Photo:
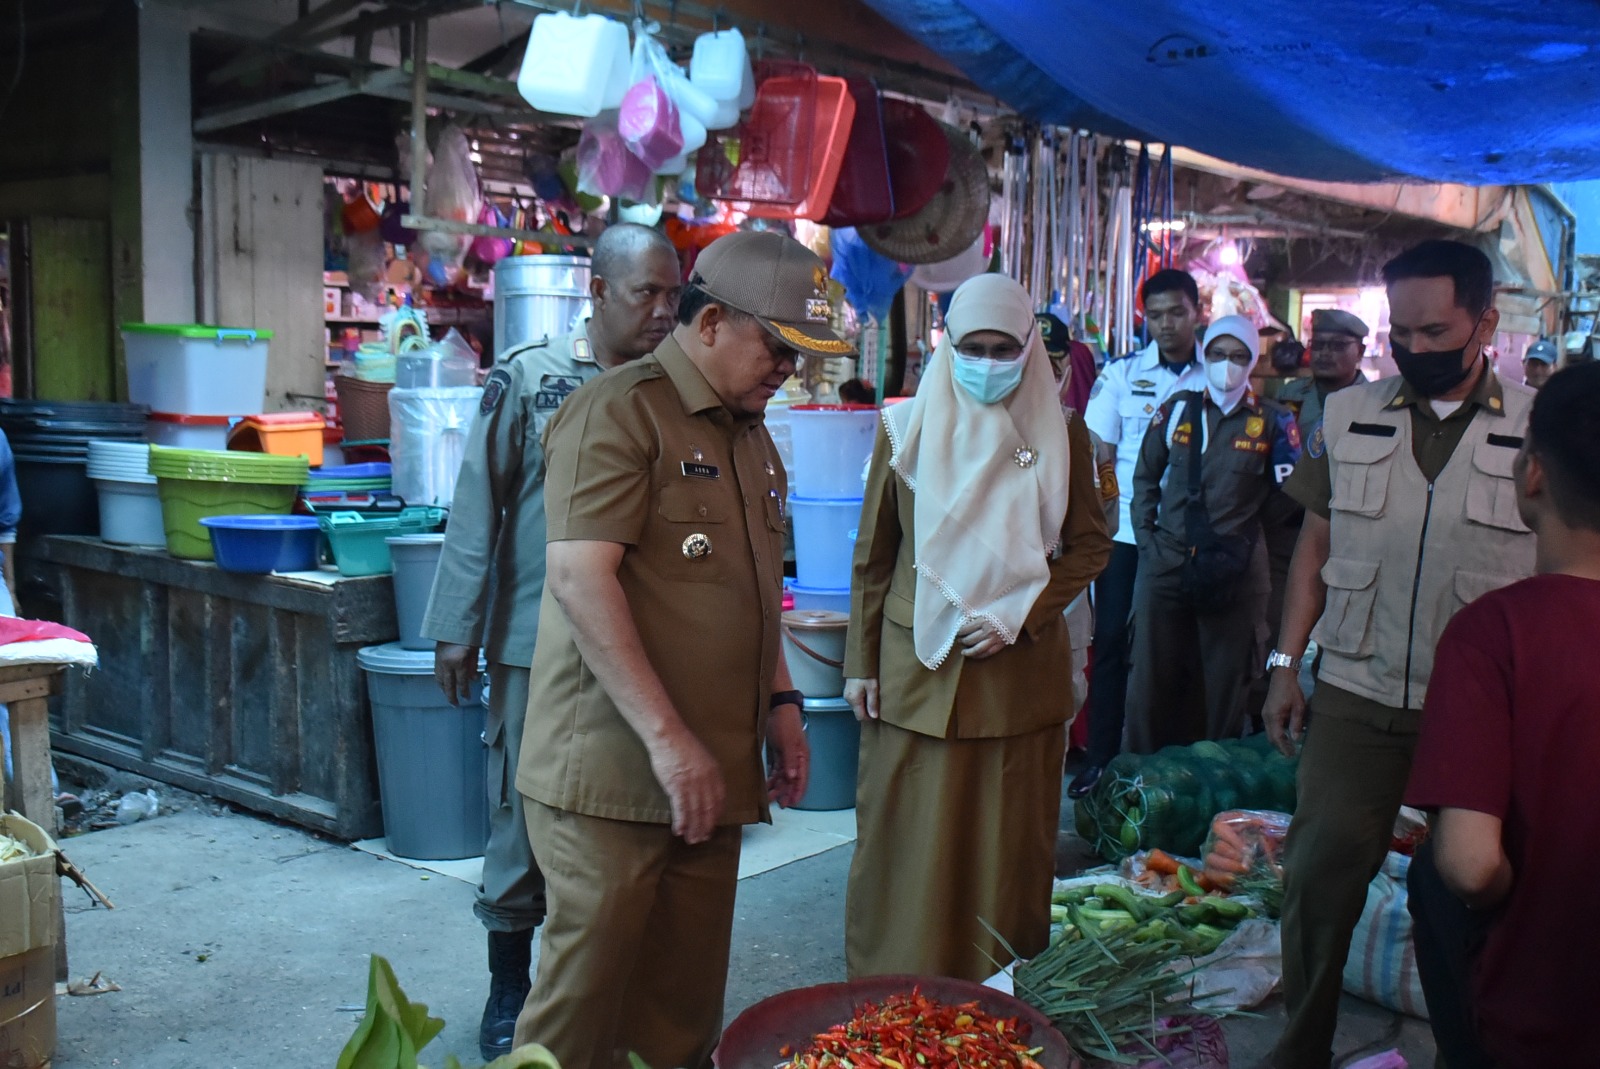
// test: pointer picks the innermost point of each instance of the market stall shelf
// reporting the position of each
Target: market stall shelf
(238, 686)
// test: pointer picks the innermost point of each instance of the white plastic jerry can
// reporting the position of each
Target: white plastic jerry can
(575, 65)
(721, 67)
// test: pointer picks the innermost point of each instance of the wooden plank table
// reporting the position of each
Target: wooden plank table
(26, 690)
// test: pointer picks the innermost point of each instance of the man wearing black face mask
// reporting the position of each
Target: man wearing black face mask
(1411, 513)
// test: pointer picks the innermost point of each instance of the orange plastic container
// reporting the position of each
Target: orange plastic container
(281, 434)
(832, 117)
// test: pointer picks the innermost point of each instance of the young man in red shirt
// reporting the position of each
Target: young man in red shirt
(1509, 744)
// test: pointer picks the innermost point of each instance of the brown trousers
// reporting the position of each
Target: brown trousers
(948, 832)
(634, 955)
(1351, 780)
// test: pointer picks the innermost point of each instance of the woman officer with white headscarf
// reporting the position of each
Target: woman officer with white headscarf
(1200, 603)
(981, 524)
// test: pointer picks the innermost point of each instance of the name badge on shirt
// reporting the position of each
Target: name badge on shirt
(701, 471)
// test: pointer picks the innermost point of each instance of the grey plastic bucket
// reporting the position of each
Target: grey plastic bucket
(416, 561)
(835, 739)
(431, 781)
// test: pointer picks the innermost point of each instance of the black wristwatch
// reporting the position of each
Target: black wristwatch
(787, 697)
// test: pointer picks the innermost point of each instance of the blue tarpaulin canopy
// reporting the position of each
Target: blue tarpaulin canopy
(1468, 91)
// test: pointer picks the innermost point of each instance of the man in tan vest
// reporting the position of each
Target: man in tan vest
(1411, 512)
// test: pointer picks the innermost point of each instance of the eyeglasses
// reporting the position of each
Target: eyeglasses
(1332, 345)
(1007, 350)
(1241, 358)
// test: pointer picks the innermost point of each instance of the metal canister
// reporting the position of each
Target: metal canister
(538, 296)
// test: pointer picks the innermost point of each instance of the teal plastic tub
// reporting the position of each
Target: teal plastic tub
(359, 541)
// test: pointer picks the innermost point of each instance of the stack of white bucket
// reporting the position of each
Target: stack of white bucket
(832, 445)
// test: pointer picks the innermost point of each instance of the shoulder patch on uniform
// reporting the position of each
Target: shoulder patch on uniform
(553, 389)
(1315, 445)
(494, 389)
(1099, 384)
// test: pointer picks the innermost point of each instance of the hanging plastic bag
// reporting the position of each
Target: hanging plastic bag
(491, 250)
(365, 264)
(605, 166)
(453, 194)
(648, 123)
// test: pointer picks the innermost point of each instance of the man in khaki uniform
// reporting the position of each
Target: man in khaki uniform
(491, 572)
(658, 675)
(1411, 513)
(1338, 341)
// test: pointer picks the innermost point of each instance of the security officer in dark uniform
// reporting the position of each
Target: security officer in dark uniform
(492, 570)
(1338, 341)
(1248, 446)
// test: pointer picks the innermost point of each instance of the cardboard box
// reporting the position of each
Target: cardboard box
(29, 893)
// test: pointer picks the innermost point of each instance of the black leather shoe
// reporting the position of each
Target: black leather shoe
(510, 955)
(1085, 781)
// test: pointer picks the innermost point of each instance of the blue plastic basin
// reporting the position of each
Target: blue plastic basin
(260, 544)
(354, 471)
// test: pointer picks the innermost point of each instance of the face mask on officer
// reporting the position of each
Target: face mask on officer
(1437, 371)
(1225, 376)
(989, 372)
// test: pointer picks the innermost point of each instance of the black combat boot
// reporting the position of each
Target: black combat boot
(510, 955)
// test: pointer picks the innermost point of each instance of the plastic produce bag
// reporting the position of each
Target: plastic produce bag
(427, 438)
(453, 194)
(448, 362)
(1167, 799)
(1243, 972)
(1202, 1045)
(1245, 843)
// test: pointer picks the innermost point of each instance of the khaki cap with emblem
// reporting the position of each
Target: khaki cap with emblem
(1337, 321)
(779, 281)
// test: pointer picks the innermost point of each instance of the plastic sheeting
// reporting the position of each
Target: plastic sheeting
(1468, 91)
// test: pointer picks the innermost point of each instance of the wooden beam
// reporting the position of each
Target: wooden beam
(479, 230)
(253, 60)
(453, 102)
(223, 118)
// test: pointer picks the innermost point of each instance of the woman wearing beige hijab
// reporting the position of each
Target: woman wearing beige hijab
(980, 525)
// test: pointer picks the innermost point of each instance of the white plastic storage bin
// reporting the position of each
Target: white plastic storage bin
(188, 432)
(575, 65)
(195, 370)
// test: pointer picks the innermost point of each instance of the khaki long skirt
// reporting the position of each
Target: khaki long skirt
(949, 831)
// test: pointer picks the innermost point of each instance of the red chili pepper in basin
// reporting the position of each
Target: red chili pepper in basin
(914, 1032)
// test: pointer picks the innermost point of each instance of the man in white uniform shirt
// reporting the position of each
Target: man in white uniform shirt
(1125, 397)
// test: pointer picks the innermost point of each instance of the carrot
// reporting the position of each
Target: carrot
(1159, 861)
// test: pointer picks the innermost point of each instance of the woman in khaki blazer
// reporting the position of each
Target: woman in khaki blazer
(980, 524)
